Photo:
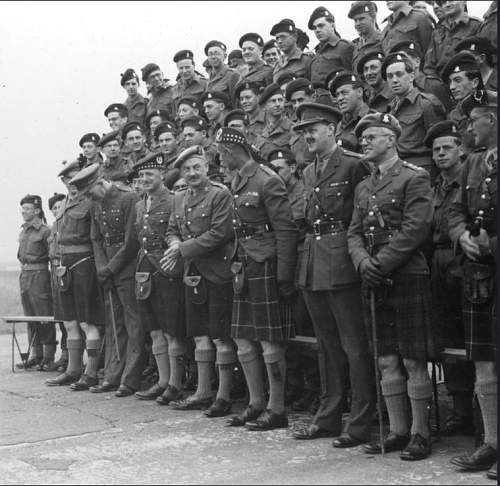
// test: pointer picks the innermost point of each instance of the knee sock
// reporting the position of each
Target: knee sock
(93, 347)
(160, 352)
(49, 351)
(276, 372)
(75, 356)
(252, 365)
(205, 363)
(37, 351)
(225, 362)
(176, 357)
(420, 399)
(487, 396)
(396, 400)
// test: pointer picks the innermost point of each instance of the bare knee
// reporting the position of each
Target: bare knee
(485, 371)
(390, 367)
(203, 342)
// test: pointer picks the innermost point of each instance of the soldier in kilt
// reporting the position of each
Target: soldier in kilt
(391, 220)
(472, 224)
(160, 295)
(263, 274)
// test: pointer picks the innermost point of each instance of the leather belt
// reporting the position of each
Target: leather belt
(85, 247)
(34, 266)
(320, 228)
(380, 237)
(249, 230)
(153, 244)
(114, 239)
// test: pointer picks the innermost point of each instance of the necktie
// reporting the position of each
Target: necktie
(148, 204)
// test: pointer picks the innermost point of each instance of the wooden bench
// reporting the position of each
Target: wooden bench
(14, 320)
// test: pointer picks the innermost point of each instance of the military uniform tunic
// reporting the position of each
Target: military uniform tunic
(202, 222)
(34, 280)
(224, 81)
(297, 64)
(137, 108)
(274, 137)
(380, 100)
(330, 55)
(193, 88)
(115, 244)
(345, 129)
(161, 98)
(477, 197)
(163, 309)
(116, 169)
(362, 46)
(259, 73)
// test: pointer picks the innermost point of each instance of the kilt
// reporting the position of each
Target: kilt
(446, 300)
(213, 317)
(404, 318)
(83, 301)
(164, 308)
(257, 314)
(480, 329)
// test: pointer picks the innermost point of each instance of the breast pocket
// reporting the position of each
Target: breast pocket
(336, 199)
(391, 208)
(115, 218)
(79, 222)
(409, 119)
(159, 222)
(200, 220)
(407, 29)
(35, 246)
(248, 207)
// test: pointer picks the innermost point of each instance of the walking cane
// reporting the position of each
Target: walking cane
(377, 371)
(113, 323)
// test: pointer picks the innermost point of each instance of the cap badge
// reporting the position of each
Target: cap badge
(473, 47)
(386, 119)
(280, 155)
(457, 69)
(412, 45)
(367, 8)
(454, 129)
(218, 135)
(353, 78)
(398, 57)
(159, 160)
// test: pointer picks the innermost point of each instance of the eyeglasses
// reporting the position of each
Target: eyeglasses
(276, 168)
(371, 138)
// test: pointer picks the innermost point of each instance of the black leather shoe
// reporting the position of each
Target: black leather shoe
(346, 441)
(62, 366)
(61, 380)
(392, 442)
(124, 391)
(480, 460)
(152, 393)
(268, 420)
(84, 383)
(105, 387)
(250, 413)
(418, 448)
(311, 432)
(194, 404)
(220, 408)
(171, 394)
(32, 362)
(492, 472)
(49, 365)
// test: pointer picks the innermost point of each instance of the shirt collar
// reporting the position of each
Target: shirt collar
(36, 223)
(463, 18)
(246, 168)
(405, 10)
(386, 165)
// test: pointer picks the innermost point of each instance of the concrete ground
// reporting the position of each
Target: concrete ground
(56, 436)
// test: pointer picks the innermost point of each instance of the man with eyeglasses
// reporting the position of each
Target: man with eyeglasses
(330, 284)
(391, 220)
(223, 79)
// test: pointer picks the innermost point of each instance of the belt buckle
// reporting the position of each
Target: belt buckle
(316, 226)
(371, 239)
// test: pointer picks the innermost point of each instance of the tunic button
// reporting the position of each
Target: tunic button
(373, 197)
(144, 239)
(203, 215)
(189, 222)
(317, 189)
(145, 227)
(393, 200)
(487, 180)
(234, 221)
(370, 213)
(146, 216)
(317, 207)
(190, 209)
(372, 228)
(481, 212)
(235, 196)
(145, 252)
(246, 204)
(483, 196)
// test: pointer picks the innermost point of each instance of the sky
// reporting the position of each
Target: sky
(60, 65)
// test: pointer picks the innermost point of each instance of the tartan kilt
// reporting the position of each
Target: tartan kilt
(404, 318)
(258, 314)
(480, 329)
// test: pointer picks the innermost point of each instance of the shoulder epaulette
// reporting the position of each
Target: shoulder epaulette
(351, 154)
(267, 170)
(124, 188)
(217, 184)
(479, 149)
(412, 166)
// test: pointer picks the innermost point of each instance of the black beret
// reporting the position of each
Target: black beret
(155, 160)
(281, 153)
(235, 54)
(197, 122)
(344, 77)
(285, 77)
(215, 43)
(361, 8)
(270, 44)
(70, 167)
(184, 54)
(346, 144)
(310, 113)
(165, 127)
(32, 199)
(481, 45)
(463, 61)
(251, 37)
(393, 59)
(119, 108)
(128, 75)
(373, 54)
(247, 85)
(409, 47)
(384, 120)
(131, 126)
(161, 113)
(87, 176)
(446, 128)
(285, 25)
(55, 198)
(148, 69)
(236, 115)
(217, 96)
(228, 135)
(89, 137)
(195, 152)
(187, 100)
(329, 77)
(171, 177)
(270, 90)
(317, 14)
(299, 84)
(302, 39)
(109, 137)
